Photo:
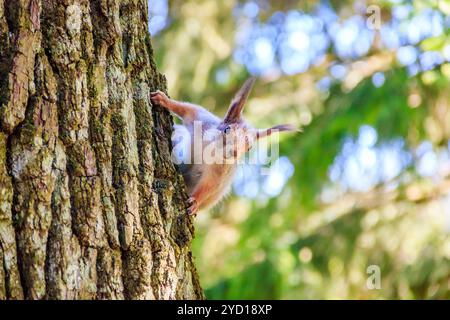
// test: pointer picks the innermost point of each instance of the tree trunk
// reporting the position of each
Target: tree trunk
(91, 207)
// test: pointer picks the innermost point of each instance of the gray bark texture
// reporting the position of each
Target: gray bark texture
(91, 207)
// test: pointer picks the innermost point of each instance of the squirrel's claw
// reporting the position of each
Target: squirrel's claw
(193, 206)
(158, 97)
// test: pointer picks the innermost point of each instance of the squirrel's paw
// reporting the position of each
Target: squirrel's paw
(158, 97)
(193, 206)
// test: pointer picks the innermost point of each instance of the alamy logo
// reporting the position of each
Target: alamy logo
(374, 277)
(373, 17)
(213, 146)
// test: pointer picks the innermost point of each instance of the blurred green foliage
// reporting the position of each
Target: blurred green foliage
(300, 244)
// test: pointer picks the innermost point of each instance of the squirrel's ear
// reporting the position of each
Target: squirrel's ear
(237, 104)
(279, 128)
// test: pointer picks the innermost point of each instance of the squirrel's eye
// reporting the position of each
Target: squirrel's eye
(227, 130)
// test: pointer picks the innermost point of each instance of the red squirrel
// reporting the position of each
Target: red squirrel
(225, 141)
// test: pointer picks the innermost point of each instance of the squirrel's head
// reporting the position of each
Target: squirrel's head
(237, 135)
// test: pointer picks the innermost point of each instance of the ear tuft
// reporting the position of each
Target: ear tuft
(279, 128)
(286, 127)
(237, 104)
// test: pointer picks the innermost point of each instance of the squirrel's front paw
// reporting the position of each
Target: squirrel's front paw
(158, 97)
(193, 206)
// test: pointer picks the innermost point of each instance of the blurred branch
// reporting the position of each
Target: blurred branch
(418, 193)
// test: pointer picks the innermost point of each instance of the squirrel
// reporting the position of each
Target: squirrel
(225, 141)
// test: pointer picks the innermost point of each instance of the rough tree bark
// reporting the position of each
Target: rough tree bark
(91, 206)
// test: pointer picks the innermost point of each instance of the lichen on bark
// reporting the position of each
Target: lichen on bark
(91, 206)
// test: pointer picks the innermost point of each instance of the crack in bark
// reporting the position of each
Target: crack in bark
(14, 213)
